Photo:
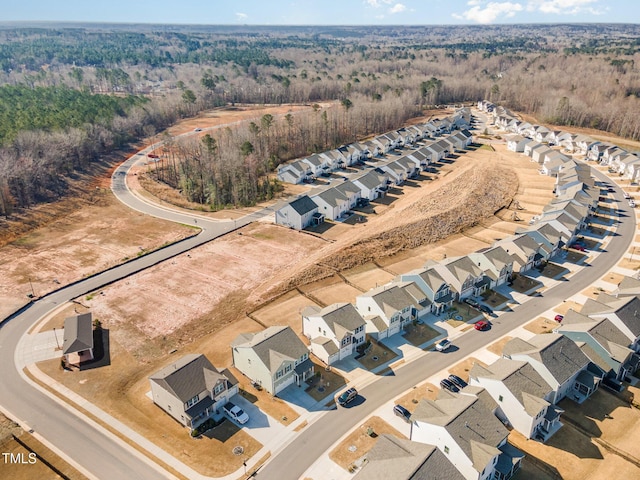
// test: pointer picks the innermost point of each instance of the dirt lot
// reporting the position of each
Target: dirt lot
(541, 325)
(462, 369)
(410, 400)
(497, 347)
(358, 443)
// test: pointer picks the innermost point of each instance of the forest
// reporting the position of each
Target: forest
(101, 86)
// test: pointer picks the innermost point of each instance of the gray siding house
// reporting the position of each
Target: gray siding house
(274, 358)
(192, 390)
(299, 214)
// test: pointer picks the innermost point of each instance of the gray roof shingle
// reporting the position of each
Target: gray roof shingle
(78, 333)
(273, 346)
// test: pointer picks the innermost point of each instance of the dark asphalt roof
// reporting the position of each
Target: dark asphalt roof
(78, 333)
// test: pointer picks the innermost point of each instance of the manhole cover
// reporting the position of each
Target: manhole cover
(320, 389)
(374, 358)
(238, 450)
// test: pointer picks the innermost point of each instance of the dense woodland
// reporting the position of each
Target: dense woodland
(71, 93)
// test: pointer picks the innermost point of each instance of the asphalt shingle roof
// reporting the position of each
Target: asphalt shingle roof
(78, 333)
(303, 205)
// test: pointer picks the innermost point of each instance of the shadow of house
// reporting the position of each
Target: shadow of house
(101, 350)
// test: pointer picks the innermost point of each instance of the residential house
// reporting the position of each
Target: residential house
(335, 159)
(462, 274)
(628, 287)
(273, 358)
(523, 249)
(192, 390)
(419, 158)
(495, 263)
(470, 436)
(410, 167)
(374, 148)
(435, 151)
(436, 289)
(387, 309)
(524, 398)
(371, 184)
(334, 331)
(295, 172)
(399, 459)
(350, 191)
(603, 342)
(623, 312)
(516, 143)
(560, 362)
(446, 147)
(77, 342)
(396, 172)
(596, 150)
(331, 203)
(299, 214)
(317, 163)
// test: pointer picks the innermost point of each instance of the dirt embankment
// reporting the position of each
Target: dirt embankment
(477, 193)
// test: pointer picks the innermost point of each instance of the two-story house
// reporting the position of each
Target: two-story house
(273, 358)
(436, 289)
(299, 214)
(334, 331)
(496, 264)
(522, 395)
(192, 390)
(560, 362)
(387, 309)
(470, 436)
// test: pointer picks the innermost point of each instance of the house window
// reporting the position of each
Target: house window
(219, 389)
(446, 449)
(287, 368)
(319, 329)
(192, 402)
(249, 361)
(279, 373)
(500, 398)
(169, 407)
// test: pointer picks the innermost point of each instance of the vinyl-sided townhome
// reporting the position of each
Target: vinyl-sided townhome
(469, 434)
(192, 390)
(299, 214)
(560, 362)
(496, 264)
(462, 274)
(273, 358)
(387, 309)
(334, 331)
(624, 313)
(436, 288)
(522, 395)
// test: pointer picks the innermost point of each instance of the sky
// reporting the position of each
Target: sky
(324, 12)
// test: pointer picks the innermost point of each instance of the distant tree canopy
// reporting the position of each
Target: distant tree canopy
(54, 108)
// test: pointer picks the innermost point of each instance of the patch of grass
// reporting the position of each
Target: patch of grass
(494, 298)
(324, 383)
(419, 333)
(90, 297)
(377, 355)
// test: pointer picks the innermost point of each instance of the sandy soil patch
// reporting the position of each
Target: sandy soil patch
(367, 276)
(614, 278)
(205, 289)
(411, 399)
(358, 443)
(541, 325)
(497, 347)
(339, 292)
(84, 242)
(630, 264)
(564, 306)
(287, 310)
(462, 369)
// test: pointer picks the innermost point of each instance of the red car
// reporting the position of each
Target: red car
(481, 325)
(558, 318)
(152, 155)
(578, 247)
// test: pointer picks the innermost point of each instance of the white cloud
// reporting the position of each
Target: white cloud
(397, 8)
(488, 12)
(241, 16)
(564, 7)
(378, 3)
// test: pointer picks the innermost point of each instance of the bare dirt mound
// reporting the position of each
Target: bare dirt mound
(477, 193)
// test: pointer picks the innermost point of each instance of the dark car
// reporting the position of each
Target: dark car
(402, 412)
(481, 325)
(558, 318)
(485, 309)
(460, 383)
(472, 302)
(347, 397)
(449, 385)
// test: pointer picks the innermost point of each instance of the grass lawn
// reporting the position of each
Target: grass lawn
(411, 399)
(419, 333)
(494, 299)
(467, 312)
(359, 442)
(325, 383)
(524, 284)
(377, 355)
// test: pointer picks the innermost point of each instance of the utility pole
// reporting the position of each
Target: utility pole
(56, 337)
(33, 293)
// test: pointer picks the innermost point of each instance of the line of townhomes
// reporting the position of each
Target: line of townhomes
(458, 435)
(419, 146)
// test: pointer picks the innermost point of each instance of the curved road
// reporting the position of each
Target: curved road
(105, 456)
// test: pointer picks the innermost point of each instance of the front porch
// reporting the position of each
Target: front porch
(509, 462)
(549, 426)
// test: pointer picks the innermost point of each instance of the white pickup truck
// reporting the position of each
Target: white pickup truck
(234, 412)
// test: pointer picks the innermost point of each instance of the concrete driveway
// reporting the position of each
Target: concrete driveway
(260, 426)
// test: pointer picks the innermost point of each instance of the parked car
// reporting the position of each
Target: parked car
(611, 190)
(472, 302)
(486, 309)
(632, 203)
(449, 385)
(347, 397)
(577, 246)
(152, 155)
(443, 345)
(460, 383)
(481, 325)
(197, 129)
(234, 412)
(402, 412)
(558, 318)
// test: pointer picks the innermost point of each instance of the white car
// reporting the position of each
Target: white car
(632, 203)
(443, 345)
(234, 412)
